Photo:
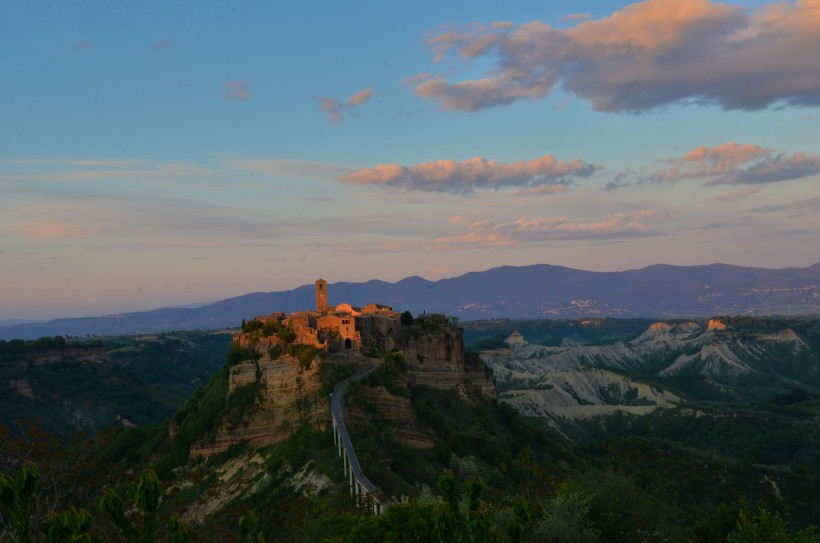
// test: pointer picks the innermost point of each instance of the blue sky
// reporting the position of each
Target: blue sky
(161, 153)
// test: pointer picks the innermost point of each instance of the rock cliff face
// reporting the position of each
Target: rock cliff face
(51, 356)
(269, 394)
(396, 410)
(437, 360)
(433, 358)
(281, 394)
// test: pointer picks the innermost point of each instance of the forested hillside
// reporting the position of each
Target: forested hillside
(726, 460)
(89, 385)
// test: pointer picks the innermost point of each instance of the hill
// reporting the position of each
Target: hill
(90, 385)
(538, 291)
(454, 460)
(738, 391)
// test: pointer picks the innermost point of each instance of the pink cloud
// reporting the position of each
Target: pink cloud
(485, 233)
(85, 44)
(710, 161)
(360, 97)
(617, 225)
(476, 173)
(737, 164)
(237, 90)
(335, 108)
(645, 55)
(161, 44)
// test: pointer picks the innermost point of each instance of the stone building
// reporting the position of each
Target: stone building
(344, 326)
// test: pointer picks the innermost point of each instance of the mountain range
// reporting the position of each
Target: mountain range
(537, 291)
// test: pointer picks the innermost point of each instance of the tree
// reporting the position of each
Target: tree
(564, 519)
(16, 492)
(714, 527)
(767, 527)
(17, 500)
(74, 525)
(406, 318)
(146, 495)
(518, 527)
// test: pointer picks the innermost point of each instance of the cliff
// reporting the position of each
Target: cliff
(267, 397)
(395, 410)
(273, 383)
(70, 352)
(437, 360)
(429, 353)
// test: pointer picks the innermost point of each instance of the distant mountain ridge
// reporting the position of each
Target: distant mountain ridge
(540, 290)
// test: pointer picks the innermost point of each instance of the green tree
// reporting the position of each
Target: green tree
(406, 318)
(249, 529)
(767, 527)
(564, 519)
(716, 526)
(74, 526)
(479, 522)
(17, 500)
(147, 496)
(16, 492)
(518, 527)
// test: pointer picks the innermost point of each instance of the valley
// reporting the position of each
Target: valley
(696, 418)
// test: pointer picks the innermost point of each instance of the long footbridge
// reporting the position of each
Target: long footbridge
(362, 490)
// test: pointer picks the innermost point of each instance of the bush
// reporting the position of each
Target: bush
(305, 354)
(237, 355)
(286, 335)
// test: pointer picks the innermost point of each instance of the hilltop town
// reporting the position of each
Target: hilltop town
(340, 327)
(279, 359)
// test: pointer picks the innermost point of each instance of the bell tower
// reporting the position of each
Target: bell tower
(321, 295)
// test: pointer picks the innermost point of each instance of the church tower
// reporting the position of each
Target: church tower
(321, 295)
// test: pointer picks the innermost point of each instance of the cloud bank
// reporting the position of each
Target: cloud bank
(477, 173)
(644, 56)
(485, 233)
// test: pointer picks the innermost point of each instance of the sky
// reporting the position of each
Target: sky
(165, 153)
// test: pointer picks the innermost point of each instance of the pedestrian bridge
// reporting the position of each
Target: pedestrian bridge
(362, 490)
